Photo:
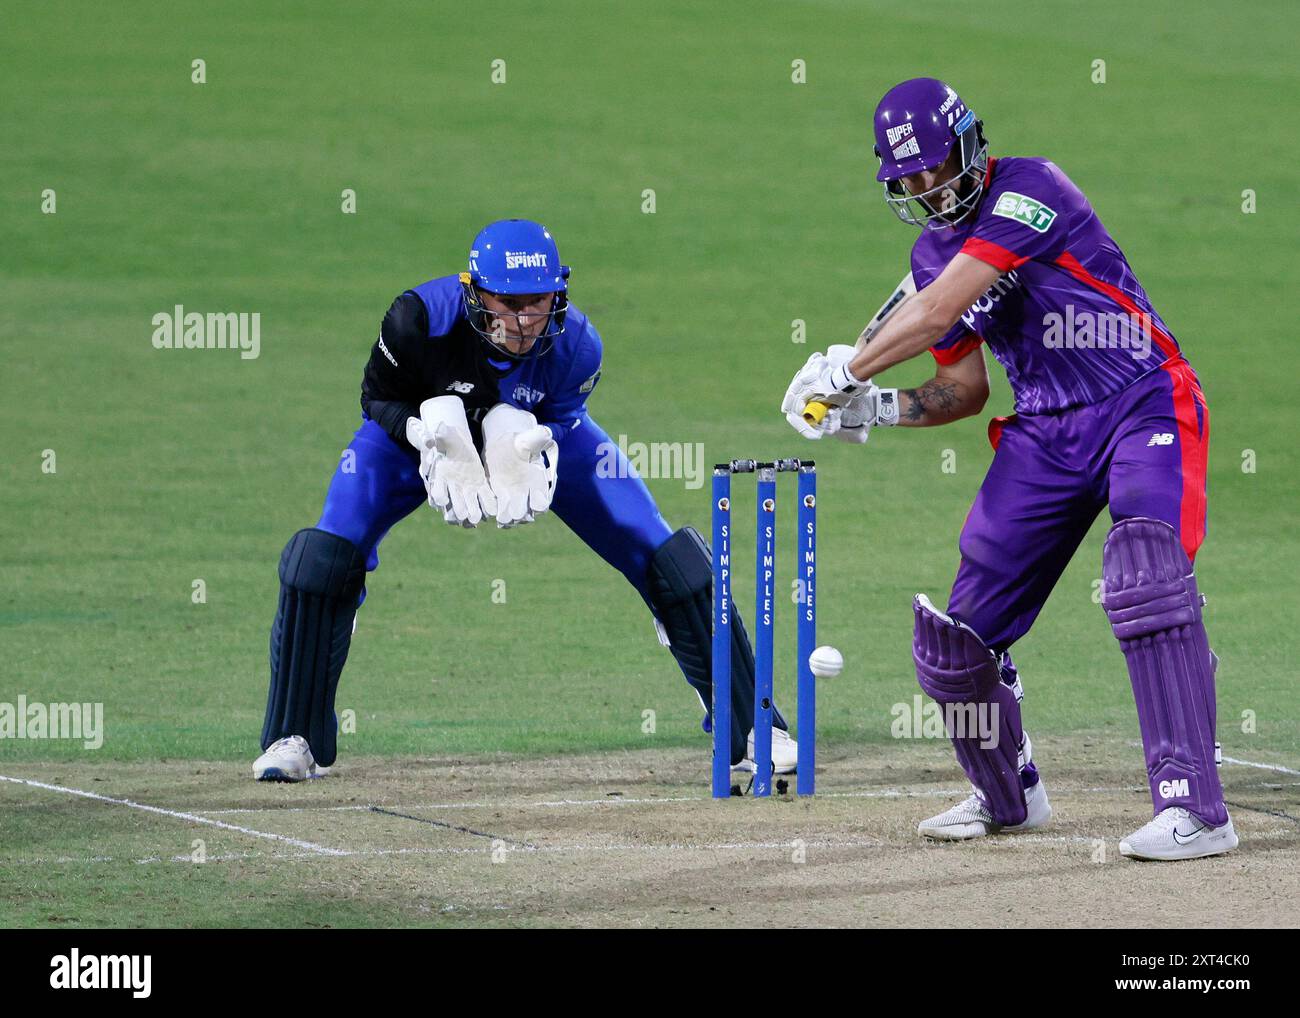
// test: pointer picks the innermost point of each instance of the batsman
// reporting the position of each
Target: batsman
(1108, 412)
(474, 399)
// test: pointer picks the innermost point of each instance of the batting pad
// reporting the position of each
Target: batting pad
(1151, 599)
(957, 670)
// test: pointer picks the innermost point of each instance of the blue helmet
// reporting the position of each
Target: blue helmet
(513, 257)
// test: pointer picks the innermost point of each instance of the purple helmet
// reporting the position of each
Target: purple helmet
(917, 123)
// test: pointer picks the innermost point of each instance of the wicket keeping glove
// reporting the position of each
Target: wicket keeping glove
(522, 457)
(449, 464)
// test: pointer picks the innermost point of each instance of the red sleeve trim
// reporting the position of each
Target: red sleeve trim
(994, 254)
(952, 354)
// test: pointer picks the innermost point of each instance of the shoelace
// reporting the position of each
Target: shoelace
(1170, 819)
(973, 807)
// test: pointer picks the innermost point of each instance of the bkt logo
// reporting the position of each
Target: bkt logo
(1161, 438)
(526, 396)
(525, 260)
(1174, 789)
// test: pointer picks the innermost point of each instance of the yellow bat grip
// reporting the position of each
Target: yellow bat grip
(815, 411)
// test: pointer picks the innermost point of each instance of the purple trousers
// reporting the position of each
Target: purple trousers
(1142, 451)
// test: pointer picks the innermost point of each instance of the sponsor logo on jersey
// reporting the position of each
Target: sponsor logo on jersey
(1161, 438)
(464, 388)
(1034, 214)
(590, 383)
(1176, 789)
(526, 396)
(384, 350)
(525, 260)
(896, 134)
(992, 295)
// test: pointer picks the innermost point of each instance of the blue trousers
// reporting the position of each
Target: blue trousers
(378, 483)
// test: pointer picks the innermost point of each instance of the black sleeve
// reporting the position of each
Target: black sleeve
(390, 388)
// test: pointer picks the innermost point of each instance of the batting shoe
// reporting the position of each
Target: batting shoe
(785, 753)
(1177, 834)
(287, 759)
(972, 819)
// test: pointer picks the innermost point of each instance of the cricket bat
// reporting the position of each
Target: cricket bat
(816, 410)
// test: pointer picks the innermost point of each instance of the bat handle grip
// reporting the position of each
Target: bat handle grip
(815, 411)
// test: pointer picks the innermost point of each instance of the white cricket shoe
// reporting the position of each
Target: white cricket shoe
(972, 819)
(785, 753)
(287, 759)
(1177, 834)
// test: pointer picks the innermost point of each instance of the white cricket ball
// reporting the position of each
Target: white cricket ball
(826, 662)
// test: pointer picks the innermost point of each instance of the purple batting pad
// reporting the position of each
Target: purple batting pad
(1150, 596)
(960, 673)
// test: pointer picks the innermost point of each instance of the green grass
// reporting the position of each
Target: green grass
(173, 466)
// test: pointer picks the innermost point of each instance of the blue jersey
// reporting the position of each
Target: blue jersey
(427, 348)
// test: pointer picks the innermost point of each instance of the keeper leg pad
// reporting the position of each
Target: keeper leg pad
(681, 592)
(321, 578)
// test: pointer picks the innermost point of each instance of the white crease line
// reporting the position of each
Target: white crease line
(889, 793)
(1009, 841)
(362, 853)
(178, 815)
(1245, 763)
(1261, 766)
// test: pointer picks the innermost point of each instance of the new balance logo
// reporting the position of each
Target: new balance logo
(464, 388)
(1161, 438)
(1173, 789)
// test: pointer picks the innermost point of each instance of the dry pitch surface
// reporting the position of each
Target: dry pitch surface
(631, 840)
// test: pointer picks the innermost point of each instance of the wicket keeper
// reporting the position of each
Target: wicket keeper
(475, 400)
(1108, 413)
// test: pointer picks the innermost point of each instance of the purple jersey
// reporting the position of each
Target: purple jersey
(1068, 319)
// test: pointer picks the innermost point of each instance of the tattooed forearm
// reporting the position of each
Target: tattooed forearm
(934, 397)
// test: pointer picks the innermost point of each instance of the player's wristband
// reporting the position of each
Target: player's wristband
(844, 381)
(887, 408)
